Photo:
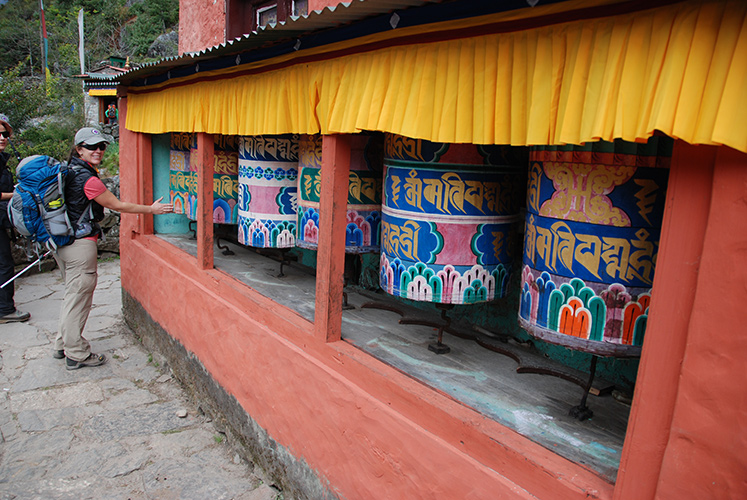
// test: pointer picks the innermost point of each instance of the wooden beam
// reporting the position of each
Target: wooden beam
(145, 181)
(130, 175)
(205, 169)
(330, 257)
(675, 284)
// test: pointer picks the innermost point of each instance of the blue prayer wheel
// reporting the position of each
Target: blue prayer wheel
(183, 177)
(268, 172)
(362, 231)
(593, 220)
(449, 218)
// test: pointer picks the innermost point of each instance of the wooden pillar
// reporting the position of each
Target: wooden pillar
(145, 181)
(129, 174)
(330, 259)
(674, 288)
(136, 162)
(704, 457)
(205, 169)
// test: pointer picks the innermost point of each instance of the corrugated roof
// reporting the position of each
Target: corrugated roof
(328, 17)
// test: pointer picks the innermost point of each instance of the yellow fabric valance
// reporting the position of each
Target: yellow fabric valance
(680, 69)
(102, 92)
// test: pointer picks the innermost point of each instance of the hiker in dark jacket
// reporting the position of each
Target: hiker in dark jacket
(78, 261)
(8, 311)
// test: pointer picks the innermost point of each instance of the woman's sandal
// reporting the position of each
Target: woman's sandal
(91, 360)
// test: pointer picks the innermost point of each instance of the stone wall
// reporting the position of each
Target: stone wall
(91, 110)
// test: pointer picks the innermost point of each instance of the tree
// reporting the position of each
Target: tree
(112, 27)
(153, 18)
(21, 98)
(20, 36)
(45, 116)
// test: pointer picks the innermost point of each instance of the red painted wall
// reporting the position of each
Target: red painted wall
(202, 24)
(372, 432)
(320, 4)
(686, 434)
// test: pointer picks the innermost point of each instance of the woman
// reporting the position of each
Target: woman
(8, 311)
(86, 197)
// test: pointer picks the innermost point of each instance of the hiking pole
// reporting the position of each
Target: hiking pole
(18, 157)
(26, 268)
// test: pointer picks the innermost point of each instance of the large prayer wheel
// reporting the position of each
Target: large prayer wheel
(362, 234)
(268, 173)
(449, 218)
(593, 220)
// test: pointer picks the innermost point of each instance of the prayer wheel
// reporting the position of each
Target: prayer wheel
(268, 173)
(449, 217)
(362, 233)
(225, 180)
(592, 228)
(183, 177)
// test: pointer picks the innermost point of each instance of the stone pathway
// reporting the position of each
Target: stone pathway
(125, 430)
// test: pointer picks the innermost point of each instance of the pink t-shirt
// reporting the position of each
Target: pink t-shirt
(92, 189)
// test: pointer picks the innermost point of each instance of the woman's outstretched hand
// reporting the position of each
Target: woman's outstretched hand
(158, 208)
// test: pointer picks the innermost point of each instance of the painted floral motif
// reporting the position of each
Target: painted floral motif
(267, 234)
(442, 284)
(573, 308)
(361, 229)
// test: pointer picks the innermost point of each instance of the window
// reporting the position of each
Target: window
(267, 15)
(245, 16)
(300, 7)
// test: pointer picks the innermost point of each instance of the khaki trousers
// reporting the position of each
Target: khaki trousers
(78, 263)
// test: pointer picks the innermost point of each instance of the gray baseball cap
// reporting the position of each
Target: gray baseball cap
(90, 136)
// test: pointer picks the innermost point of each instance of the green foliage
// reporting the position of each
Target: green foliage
(110, 163)
(45, 115)
(112, 27)
(48, 138)
(153, 18)
(104, 23)
(19, 36)
(21, 98)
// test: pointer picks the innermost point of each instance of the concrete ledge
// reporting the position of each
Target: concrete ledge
(293, 476)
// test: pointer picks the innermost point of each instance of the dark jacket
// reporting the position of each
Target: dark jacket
(6, 186)
(84, 222)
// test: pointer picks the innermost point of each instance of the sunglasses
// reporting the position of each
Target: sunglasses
(94, 147)
(5, 134)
